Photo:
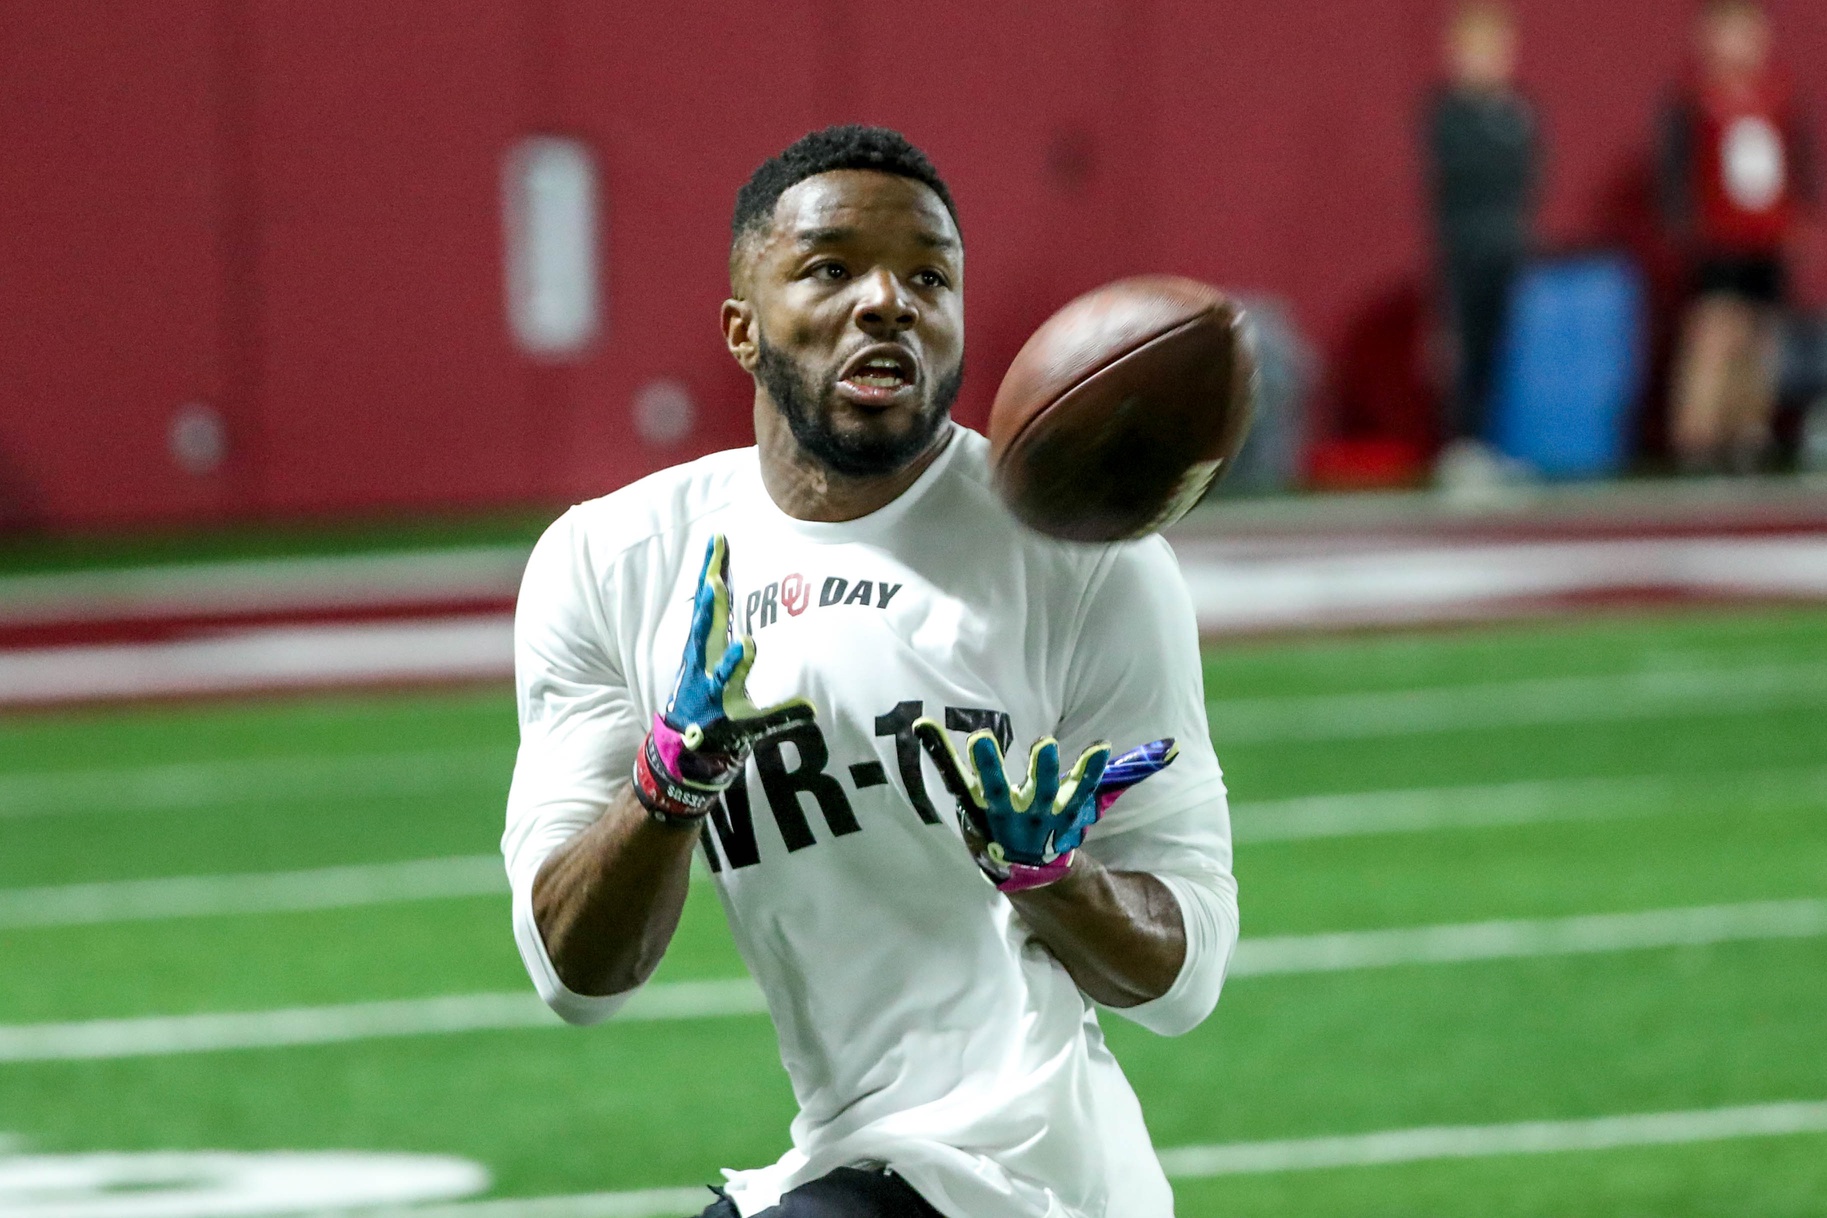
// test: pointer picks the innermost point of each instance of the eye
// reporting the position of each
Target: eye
(930, 278)
(831, 272)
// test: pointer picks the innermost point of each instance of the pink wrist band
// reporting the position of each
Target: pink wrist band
(668, 798)
(1022, 877)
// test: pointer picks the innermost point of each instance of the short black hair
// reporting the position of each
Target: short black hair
(847, 147)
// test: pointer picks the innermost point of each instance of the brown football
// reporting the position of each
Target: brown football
(1121, 410)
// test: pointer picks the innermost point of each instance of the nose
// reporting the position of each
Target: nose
(883, 308)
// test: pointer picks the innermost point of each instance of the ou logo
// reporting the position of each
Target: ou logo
(795, 594)
(1752, 163)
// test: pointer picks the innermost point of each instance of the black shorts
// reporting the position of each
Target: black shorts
(848, 1192)
(1753, 278)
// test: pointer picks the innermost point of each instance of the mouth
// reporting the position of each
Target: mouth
(880, 375)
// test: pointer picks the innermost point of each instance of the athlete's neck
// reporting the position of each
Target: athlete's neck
(805, 489)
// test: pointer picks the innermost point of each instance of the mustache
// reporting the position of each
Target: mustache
(774, 368)
(806, 407)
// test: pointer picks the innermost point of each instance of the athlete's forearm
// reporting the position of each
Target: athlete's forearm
(1118, 933)
(608, 901)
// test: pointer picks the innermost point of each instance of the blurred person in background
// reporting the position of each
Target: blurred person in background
(1734, 175)
(1483, 154)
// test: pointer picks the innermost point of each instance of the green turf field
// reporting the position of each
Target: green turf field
(1539, 773)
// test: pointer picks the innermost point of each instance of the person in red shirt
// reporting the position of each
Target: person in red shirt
(1734, 180)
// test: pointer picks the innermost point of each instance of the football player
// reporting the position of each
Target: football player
(897, 726)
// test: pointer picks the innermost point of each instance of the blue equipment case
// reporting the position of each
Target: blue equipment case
(1570, 368)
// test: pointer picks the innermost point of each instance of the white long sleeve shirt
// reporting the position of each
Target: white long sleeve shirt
(921, 1023)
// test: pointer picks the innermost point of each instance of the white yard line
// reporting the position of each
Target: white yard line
(1544, 801)
(228, 1184)
(1479, 1141)
(642, 1203)
(1696, 926)
(1526, 703)
(459, 647)
(171, 1034)
(1235, 584)
(267, 892)
(1531, 702)
(286, 781)
(1303, 818)
(266, 585)
(1253, 586)
(1284, 955)
(1265, 1158)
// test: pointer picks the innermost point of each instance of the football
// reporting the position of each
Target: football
(1117, 415)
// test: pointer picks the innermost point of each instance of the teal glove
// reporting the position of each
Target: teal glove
(698, 744)
(1024, 837)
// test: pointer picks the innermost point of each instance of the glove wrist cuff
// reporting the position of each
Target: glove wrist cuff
(1008, 875)
(659, 784)
(1023, 878)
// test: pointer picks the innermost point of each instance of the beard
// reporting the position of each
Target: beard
(808, 411)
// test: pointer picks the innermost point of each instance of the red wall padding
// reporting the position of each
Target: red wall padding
(291, 212)
(111, 274)
(386, 375)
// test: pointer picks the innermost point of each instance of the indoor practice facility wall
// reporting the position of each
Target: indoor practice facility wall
(282, 222)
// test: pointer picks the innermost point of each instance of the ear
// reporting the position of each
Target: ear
(740, 334)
